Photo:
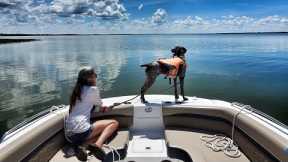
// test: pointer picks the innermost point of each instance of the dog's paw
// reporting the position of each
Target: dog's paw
(185, 99)
(144, 101)
(178, 102)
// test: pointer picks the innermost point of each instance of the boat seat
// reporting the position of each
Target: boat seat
(191, 143)
(117, 142)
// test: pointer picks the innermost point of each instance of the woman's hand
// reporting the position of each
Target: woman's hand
(104, 109)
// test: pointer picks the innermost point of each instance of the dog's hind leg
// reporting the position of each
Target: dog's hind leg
(175, 89)
(150, 79)
(182, 88)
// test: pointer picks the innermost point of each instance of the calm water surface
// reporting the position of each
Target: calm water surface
(251, 69)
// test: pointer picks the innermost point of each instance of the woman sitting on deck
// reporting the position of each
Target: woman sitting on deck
(78, 129)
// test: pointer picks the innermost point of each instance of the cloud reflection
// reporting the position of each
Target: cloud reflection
(43, 73)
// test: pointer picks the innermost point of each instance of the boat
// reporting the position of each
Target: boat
(197, 130)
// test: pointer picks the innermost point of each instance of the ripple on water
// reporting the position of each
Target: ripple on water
(249, 69)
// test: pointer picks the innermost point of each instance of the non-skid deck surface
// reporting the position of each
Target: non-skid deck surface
(118, 142)
(191, 143)
(186, 140)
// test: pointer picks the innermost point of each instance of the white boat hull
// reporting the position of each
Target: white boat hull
(252, 129)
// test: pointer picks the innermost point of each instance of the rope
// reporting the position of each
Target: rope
(220, 142)
(126, 101)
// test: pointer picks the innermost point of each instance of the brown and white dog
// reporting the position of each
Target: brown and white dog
(172, 68)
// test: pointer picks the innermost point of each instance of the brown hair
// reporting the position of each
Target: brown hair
(82, 80)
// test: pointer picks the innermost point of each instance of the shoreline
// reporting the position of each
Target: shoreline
(10, 38)
(247, 33)
(6, 41)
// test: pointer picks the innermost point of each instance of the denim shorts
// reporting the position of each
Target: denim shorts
(79, 138)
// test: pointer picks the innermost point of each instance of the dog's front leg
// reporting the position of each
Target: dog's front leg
(175, 89)
(182, 88)
(143, 90)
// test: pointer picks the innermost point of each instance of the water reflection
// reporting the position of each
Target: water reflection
(246, 68)
(35, 75)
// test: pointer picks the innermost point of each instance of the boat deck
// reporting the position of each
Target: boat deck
(186, 140)
(191, 143)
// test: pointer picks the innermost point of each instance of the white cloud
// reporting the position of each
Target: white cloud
(160, 16)
(231, 23)
(39, 12)
(189, 24)
(272, 20)
(189, 21)
(140, 7)
(105, 8)
(90, 16)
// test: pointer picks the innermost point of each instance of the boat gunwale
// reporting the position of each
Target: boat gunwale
(29, 121)
(219, 106)
(269, 119)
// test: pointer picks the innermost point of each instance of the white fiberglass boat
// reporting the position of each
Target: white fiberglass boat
(198, 130)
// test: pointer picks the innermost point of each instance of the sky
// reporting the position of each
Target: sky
(142, 16)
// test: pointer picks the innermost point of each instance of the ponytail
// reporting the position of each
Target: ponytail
(82, 80)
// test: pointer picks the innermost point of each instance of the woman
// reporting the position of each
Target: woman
(78, 128)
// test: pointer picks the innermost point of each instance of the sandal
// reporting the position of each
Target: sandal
(81, 153)
(98, 152)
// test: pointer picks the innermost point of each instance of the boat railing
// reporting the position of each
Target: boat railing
(30, 120)
(264, 115)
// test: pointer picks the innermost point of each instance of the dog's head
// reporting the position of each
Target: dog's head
(179, 51)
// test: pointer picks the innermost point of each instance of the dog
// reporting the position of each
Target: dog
(168, 68)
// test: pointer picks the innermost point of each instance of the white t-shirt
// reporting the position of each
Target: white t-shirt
(78, 120)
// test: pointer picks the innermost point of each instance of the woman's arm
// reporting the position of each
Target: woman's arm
(98, 101)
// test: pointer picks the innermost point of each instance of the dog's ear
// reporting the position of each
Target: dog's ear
(183, 50)
(173, 50)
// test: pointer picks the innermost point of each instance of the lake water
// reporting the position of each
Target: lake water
(250, 69)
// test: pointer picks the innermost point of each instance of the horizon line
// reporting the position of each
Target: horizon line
(67, 34)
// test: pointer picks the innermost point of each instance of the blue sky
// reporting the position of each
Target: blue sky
(210, 8)
(143, 16)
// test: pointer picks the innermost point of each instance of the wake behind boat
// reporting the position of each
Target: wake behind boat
(198, 130)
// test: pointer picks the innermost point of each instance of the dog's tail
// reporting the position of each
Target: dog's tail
(146, 65)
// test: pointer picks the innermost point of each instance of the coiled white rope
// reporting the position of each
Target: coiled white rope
(220, 142)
